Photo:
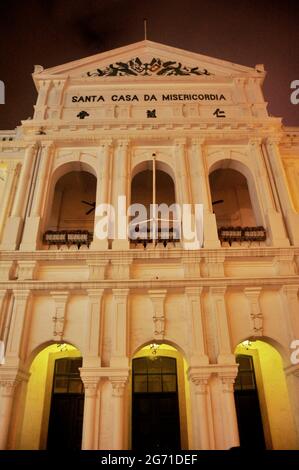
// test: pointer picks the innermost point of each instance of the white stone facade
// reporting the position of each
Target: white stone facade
(110, 299)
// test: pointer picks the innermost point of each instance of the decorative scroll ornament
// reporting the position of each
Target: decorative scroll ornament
(136, 67)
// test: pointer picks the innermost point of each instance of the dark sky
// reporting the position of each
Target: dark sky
(52, 32)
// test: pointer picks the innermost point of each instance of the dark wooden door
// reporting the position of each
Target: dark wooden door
(247, 405)
(67, 403)
(155, 407)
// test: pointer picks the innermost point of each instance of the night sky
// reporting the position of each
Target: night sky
(52, 32)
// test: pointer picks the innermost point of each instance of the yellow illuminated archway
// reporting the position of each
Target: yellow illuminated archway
(277, 420)
(34, 429)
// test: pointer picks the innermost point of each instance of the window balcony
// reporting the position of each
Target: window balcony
(149, 238)
(67, 239)
(243, 236)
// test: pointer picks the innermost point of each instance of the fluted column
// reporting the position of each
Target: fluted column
(290, 309)
(201, 192)
(40, 107)
(3, 297)
(194, 309)
(182, 178)
(13, 226)
(9, 380)
(200, 418)
(100, 240)
(274, 221)
(292, 379)
(89, 416)
(292, 173)
(230, 431)
(8, 194)
(291, 217)
(118, 410)
(41, 182)
(120, 188)
(31, 236)
(119, 328)
(190, 238)
(19, 327)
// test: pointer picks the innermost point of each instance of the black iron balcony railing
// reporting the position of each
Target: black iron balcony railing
(242, 234)
(68, 237)
(161, 235)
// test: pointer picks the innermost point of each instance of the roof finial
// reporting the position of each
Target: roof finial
(145, 28)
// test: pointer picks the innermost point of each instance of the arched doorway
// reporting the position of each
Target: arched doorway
(53, 410)
(160, 399)
(262, 403)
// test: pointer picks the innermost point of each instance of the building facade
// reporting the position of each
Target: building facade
(149, 342)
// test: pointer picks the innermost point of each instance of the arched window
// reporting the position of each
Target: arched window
(71, 219)
(153, 188)
(236, 212)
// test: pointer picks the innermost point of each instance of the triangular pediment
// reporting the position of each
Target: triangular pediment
(146, 58)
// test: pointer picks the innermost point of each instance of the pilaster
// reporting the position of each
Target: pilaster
(60, 299)
(157, 297)
(119, 329)
(256, 315)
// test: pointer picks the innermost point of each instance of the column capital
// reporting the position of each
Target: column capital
(107, 143)
(10, 379)
(290, 290)
(95, 294)
(59, 83)
(198, 141)
(252, 292)
(199, 378)
(255, 141)
(46, 144)
(22, 295)
(60, 296)
(228, 378)
(31, 147)
(273, 140)
(128, 260)
(159, 294)
(120, 295)
(180, 141)
(194, 291)
(90, 386)
(228, 384)
(218, 290)
(215, 257)
(3, 293)
(123, 143)
(118, 385)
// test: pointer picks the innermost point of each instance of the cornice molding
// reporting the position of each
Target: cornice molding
(145, 284)
(180, 254)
